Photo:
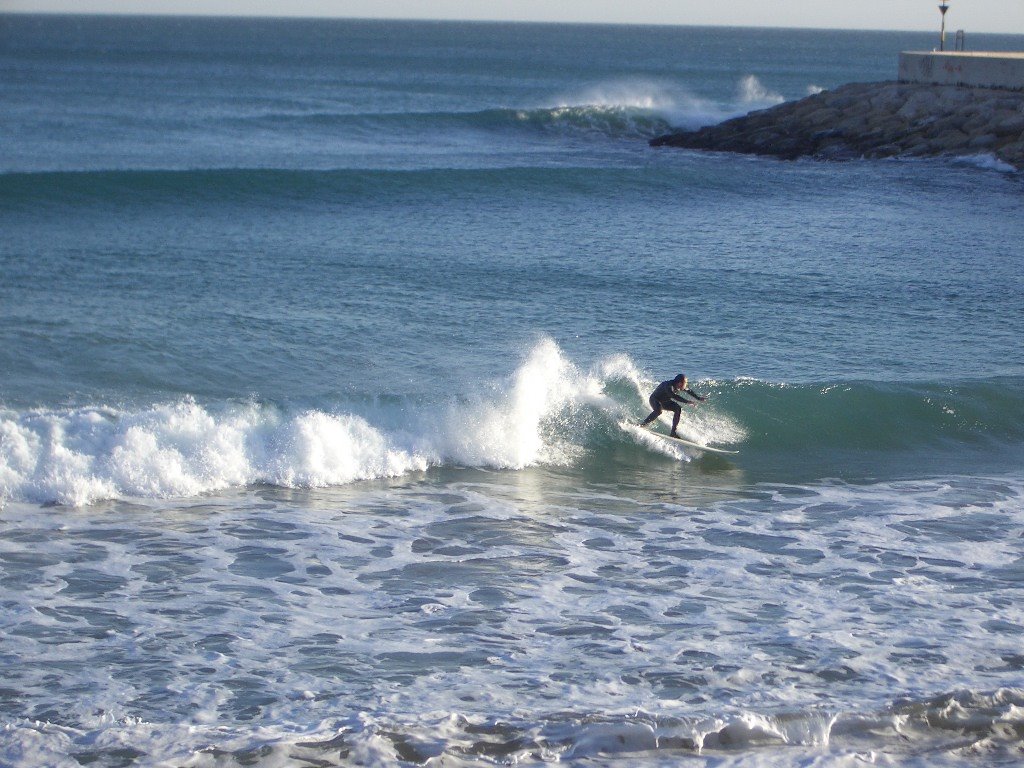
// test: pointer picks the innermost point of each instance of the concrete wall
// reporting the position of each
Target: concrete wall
(975, 68)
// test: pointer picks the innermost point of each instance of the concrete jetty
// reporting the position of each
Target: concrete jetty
(977, 69)
(915, 117)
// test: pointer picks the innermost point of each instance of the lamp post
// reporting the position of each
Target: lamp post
(942, 33)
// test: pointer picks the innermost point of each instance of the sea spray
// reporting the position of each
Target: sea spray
(503, 426)
(638, 108)
(685, 109)
(751, 91)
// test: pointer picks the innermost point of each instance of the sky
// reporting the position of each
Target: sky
(969, 15)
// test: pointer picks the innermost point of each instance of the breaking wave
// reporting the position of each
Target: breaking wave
(553, 413)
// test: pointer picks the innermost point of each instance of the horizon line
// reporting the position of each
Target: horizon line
(453, 20)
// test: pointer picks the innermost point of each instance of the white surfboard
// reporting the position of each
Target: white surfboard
(691, 444)
(682, 440)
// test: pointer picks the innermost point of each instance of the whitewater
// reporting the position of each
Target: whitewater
(319, 375)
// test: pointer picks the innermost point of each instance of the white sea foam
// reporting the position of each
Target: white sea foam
(424, 621)
(986, 161)
(186, 449)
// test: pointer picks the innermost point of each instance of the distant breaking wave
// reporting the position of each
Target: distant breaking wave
(615, 110)
(611, 120)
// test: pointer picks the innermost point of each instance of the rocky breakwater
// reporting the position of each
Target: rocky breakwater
(874, 120)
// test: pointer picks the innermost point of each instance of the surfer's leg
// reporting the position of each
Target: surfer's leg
(677, 411)
(654, 413)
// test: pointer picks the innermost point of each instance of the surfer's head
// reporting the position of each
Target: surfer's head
(680, 380)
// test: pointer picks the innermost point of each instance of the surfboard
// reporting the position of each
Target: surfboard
(683, 441)
(692, 444)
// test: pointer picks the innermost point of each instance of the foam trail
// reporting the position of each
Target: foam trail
(987, 162)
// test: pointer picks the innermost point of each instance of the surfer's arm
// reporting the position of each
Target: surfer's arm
(691, 393)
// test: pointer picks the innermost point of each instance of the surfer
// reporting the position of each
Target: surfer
(669, 397)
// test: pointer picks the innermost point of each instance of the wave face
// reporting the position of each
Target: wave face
(878, 415)
(635, 116)
(548, 412)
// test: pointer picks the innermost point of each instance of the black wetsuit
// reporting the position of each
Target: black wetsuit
(667, 398)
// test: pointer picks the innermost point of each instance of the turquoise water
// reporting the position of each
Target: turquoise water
(319, 347)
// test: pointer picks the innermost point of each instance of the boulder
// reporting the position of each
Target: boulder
(982, 141)
(1009, 125)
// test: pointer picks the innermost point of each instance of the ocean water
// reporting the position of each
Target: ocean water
(321, 343)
